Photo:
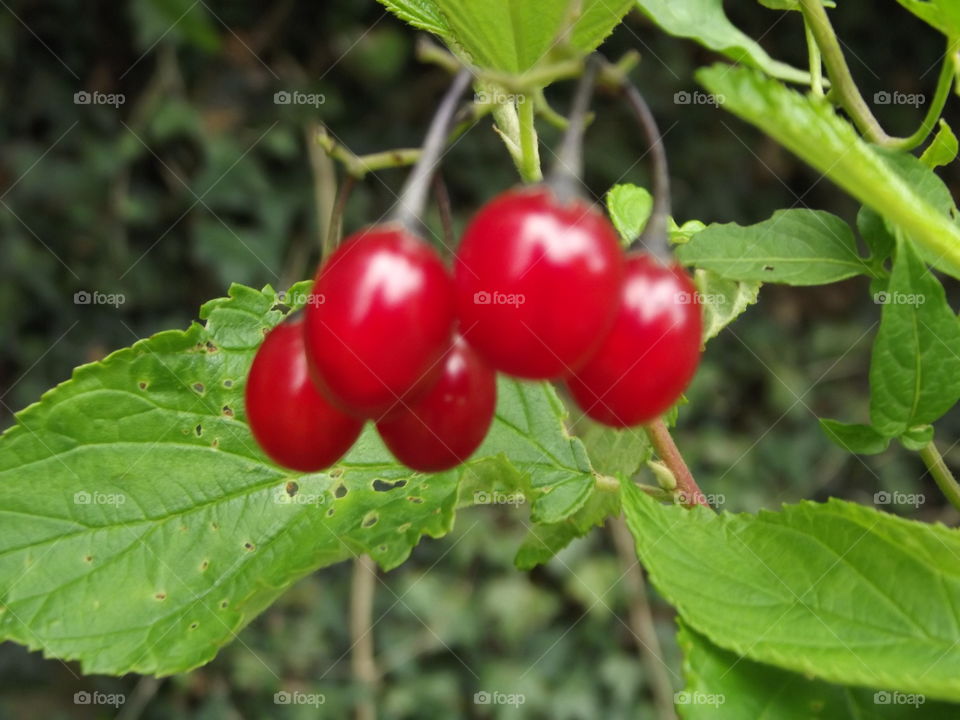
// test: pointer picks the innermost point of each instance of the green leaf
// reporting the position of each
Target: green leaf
(928, 185)
(790, 4)
(944, 15)
(795, 247)
(705, 22)
(422, 14)
(836, 591)
(915, 367)
(781, 4)
(679, 234)
(629, 207)
(811, 128)
(720, 680)
(916, 439)
(545, 541)
(722, 300)
(876, 233)
(141, 527)
(854, 438)
(514, 36)
(529, 431)
(943, 149)
(620, 453)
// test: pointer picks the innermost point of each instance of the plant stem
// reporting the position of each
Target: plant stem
(641, 622)
(537, 77)
(666, 449)
(654, 236)
(844, 89)
(843, 86)
(565, 177)
(941, 474)
(816, 62)
(944, 82)
(358, 166)
(442, 197)
(529, 144)
(324, 174)
(363, 659)
(332, 239)
(413, 196)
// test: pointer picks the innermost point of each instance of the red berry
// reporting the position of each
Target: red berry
(651, 353)
(445, 426)
(380, 320)
(537, 283)
(293, 423)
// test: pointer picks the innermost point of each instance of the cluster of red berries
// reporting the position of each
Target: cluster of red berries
(540, 290)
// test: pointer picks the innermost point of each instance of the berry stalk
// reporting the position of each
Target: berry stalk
(413, 197)
(654, 236)
(565, 178)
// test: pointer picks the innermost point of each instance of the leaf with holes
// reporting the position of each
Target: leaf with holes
(836, 591)
(142, 528)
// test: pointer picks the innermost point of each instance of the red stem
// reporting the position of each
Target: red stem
(668, 452)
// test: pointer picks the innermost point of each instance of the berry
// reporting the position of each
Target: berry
(537, 283)
(445, 426)
(379, 321)
(651, 353)
(293, 423)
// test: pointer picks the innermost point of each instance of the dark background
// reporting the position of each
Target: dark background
(199, 180)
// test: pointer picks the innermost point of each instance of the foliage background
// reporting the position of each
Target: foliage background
(199, 179)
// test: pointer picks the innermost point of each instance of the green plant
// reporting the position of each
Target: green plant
(818, 599)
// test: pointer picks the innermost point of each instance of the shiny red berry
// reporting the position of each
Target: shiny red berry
(293, 423)
(379, 321)
(650, 355)
(445, 426)
(537, 283)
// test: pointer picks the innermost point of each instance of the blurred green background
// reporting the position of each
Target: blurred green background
(199, 179)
